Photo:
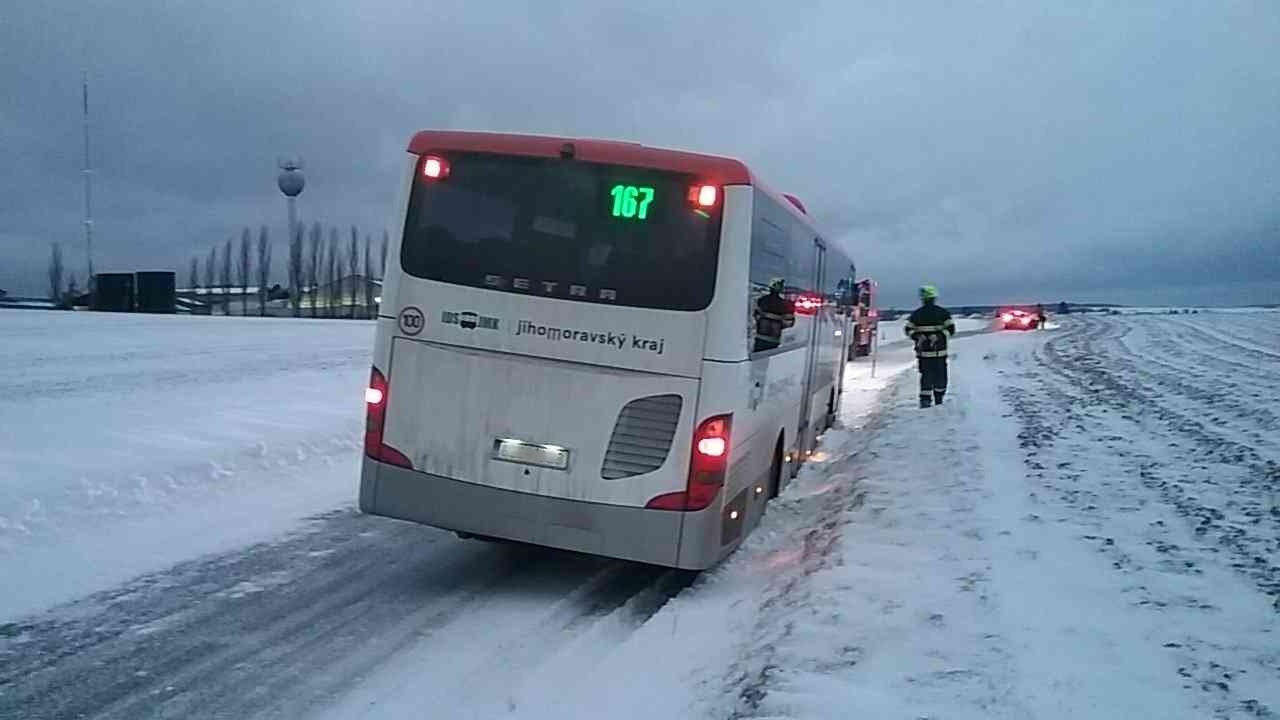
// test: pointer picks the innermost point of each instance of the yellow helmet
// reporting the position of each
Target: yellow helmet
(928, 292)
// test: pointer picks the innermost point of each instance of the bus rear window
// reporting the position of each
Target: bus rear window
(564, 228)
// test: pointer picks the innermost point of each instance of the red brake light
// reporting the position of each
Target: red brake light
(706, 468)
(704, 196)
(375, 397)
(435, 167)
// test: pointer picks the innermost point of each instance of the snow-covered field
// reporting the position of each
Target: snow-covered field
(1090, 528)
(130, 442)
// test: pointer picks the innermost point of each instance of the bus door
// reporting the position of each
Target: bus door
(814, 343)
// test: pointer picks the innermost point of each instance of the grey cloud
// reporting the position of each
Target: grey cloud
(998, 150)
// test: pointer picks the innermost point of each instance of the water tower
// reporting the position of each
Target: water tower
(291, 181)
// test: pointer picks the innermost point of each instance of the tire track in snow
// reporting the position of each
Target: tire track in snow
(283, 628)
(579, 628)
(1229, 403)
(1212, 466)
(1197, 351)
(1224, 678)
(1242, 346)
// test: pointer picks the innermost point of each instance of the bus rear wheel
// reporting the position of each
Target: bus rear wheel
(775, 471)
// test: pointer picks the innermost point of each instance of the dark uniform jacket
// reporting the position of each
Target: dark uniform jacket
(929, 327)
(774, 313)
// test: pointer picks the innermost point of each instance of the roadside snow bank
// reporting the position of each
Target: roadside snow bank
(134, 441)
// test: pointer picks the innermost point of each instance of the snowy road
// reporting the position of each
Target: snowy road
(283, 628)
(1089, 529)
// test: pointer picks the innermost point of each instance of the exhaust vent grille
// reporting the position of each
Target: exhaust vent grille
(642, 436)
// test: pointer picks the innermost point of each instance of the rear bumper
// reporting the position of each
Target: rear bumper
(627, 533)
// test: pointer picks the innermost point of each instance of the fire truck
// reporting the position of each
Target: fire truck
(866, 318)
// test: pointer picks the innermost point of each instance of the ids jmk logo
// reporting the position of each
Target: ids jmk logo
(468, 320)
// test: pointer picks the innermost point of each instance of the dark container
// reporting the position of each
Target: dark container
(113, 292)
(156, 292)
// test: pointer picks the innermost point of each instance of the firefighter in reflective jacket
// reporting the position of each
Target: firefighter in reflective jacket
(774, 313)
(930, 327)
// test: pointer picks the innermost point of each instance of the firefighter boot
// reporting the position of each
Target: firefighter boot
(926, 401)
(938, 395)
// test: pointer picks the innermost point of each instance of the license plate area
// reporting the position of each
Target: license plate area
(542, 455)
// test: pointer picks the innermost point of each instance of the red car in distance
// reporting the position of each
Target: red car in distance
(1017, 319)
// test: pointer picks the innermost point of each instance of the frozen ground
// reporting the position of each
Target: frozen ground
(1088, 529)
(128, 442)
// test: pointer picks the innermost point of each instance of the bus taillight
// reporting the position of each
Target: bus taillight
(375, 400)
(435, 167)
(707, 468)
(704, 196)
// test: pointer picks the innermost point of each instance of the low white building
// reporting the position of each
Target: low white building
(347, 298)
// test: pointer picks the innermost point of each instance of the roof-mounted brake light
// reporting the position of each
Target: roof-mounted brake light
(435, 167)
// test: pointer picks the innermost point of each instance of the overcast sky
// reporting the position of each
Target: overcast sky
(1004, 151)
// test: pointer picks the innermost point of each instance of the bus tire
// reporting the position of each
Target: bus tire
(775, 470)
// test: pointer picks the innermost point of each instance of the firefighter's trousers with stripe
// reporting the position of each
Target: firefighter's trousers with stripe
(933, 376)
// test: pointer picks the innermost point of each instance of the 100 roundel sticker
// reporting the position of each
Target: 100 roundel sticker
(411, 320)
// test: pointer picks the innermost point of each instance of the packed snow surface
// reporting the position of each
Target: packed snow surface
(1089, 528)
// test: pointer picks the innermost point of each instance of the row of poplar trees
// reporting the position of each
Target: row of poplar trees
(316, 269)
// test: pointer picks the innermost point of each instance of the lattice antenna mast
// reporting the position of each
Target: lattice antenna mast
(88, 178)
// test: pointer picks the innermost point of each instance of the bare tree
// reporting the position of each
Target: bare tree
(193, 280)
(210, 267)
(56, 270)
(333, 298)
(226, 277)
(353, 265)
(295, 271)
(313, 265)
(386, 240)
(264, 269)
(244, 270)
(369, 310)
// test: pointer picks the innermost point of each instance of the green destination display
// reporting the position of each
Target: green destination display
(631, 201)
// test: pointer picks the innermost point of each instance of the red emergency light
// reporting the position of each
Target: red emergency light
(807, 304)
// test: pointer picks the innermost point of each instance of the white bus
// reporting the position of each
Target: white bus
(566, 352)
